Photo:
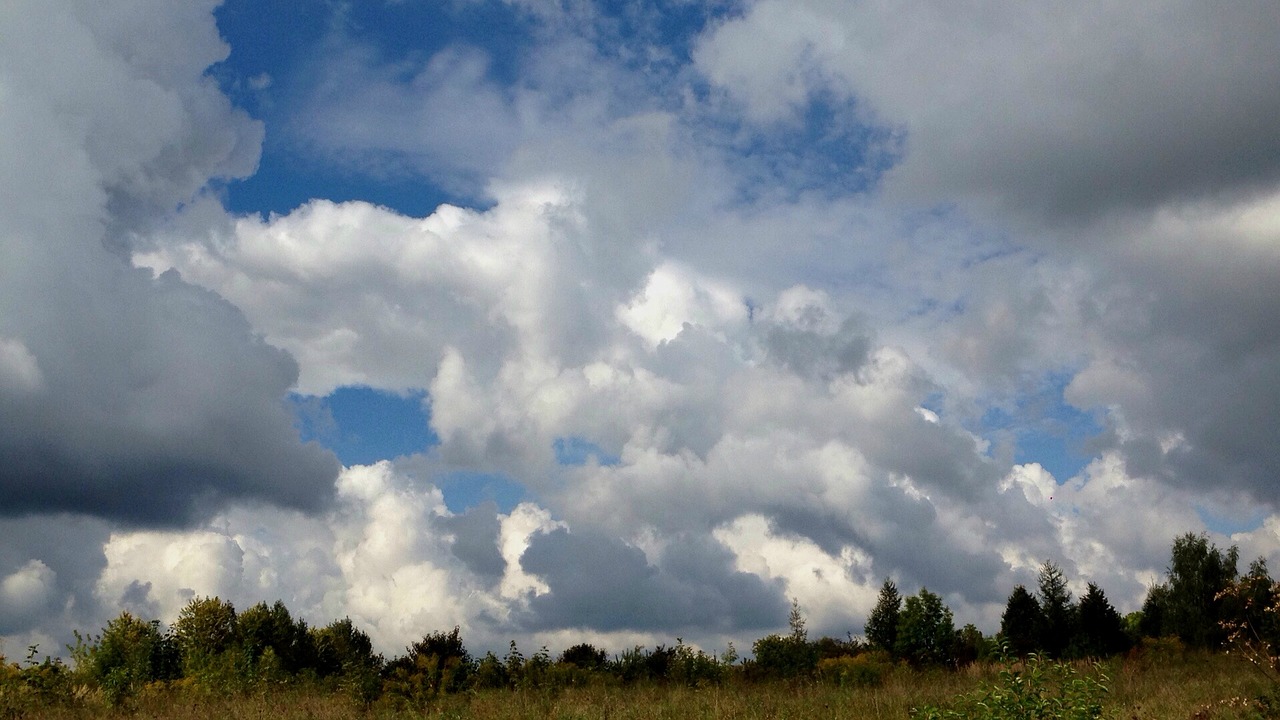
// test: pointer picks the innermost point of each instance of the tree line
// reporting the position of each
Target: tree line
(1203, 603)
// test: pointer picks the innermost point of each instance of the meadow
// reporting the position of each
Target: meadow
(1181, 684)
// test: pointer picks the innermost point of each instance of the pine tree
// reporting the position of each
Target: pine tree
(882, 625)
(1055, 603)
(1101, 629)
(1022, 622)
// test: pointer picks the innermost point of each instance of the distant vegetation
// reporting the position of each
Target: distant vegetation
(1034, 667)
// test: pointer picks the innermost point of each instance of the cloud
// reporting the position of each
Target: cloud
(1186, 348)
(142, 398)
(449, 121)
(596, 582)
(791, 378)
(1056, 113)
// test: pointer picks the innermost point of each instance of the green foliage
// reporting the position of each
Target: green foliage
(433, 666)
(205, 628)
(1253, 628)
(926, 631)
(1056, 608)
(856, 671)
(1034, 689)
(829, 647)
(692, 667)
(491, 673)
(343, 654)
(128, 654)
(32, 686)
(270, 627)
(970, 646)
(1021, 622)
(1151, 619)
(790, 656)
(641, 665)
(779, 656)
(585, 656)
(1100, 631)
(1198, 574)
(882, 625)
(341, 648)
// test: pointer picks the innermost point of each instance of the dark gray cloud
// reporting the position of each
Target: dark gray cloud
(48, 569)
(475, 540)
(598, 582)
(1190, 325)
(1055, 113)
(131, 397)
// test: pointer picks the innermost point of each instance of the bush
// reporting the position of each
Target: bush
(784, 657)
(345, 653)
(1034, 689)
(129, 654)
(861, 671)
(437, 664)
(26, 689)
(585, 656)
(695, 668)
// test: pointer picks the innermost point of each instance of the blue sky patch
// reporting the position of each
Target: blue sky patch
(580, 451)
(1046, 429)
(362, 425)
(1230, 524)
(465, 489)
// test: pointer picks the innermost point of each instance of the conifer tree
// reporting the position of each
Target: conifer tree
(882, 625)
(1022, 622)
(1100, 631)
(1059, 615)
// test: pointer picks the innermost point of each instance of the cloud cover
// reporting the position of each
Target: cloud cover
(789, 377)
(134, 397)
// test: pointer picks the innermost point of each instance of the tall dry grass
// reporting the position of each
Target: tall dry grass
(1182, 686)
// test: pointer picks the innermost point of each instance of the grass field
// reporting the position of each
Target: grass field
(1193, 685)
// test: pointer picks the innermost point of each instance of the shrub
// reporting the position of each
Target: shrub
(128, 654)
(270, 627)
(785, 657)
(585, 656)
(695, 668)
(437, 664)
(26, 689)
(1034, 689)
(865, 670)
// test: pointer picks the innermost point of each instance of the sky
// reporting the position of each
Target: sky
(620, 321)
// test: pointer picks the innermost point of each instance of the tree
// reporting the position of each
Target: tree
(1253, 623)
(342, 648)
(1100, 630)
(270, 627)
(1151, 619)
(1255, 599)
(585, 656)
(129, 654)
(206, 627)
(970, 645)
(790, 656)
(438, 663)
(1198, 573)
(1055, 604)
(882, 625)
(926, 631)
(1021, 623)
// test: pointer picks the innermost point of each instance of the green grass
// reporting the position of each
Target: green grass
(1183, 686)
